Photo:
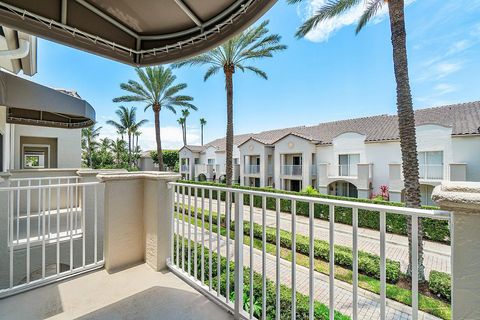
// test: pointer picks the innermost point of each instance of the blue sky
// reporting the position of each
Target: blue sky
(331, 75)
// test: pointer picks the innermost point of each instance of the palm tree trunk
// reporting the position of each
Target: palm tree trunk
(129, 149)
(229, 70)
(406, 124)
(156, 111)
(184, 133)
(201, 133)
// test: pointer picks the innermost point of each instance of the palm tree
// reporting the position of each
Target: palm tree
(185, 114)
(128, 124)
(203, 122)
(254, 43)
(181, 122)
(157, 89)
(406, 120)
(89, 136)
(118, 148)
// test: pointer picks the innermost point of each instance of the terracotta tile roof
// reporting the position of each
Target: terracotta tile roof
(463, 118)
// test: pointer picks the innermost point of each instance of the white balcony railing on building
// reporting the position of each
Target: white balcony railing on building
(252, 169)
(430, 171)
(313, 170)
(194, 248)
(52, 231)
(347, 170)
(184, 168)
(270, 170)
(292, 170)
(220, 169)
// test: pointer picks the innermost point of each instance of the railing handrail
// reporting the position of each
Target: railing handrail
(45, 178)
(46, 186)
(424, 213)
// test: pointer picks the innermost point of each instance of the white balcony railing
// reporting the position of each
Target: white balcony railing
(194, 257)
(292, 170)
(313, 170)
(184, 168)
(52, 230)
(252, 169)
(430, 171)
(270, 170)
(347, 170)
(220, 169)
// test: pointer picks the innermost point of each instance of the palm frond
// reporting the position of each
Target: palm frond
(372, 8)
(331, 9)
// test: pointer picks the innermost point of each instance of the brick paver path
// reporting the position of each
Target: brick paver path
(436, 255)
(368, 303)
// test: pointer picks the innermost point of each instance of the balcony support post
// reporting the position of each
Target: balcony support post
(138, 219)
(463, 200)
(238, 255)
(4, 222)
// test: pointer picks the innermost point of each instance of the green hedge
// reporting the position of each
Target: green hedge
(434, 230)
(440, 283)
(368, 264)
(302, 301)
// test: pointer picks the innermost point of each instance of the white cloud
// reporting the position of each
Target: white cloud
(171, 136)
(325, 29)
(439, 70)
(444, 88)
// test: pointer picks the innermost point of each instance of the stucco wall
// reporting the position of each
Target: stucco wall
(68, 144)
(467, 150)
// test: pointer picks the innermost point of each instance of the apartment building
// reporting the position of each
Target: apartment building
(353, 157)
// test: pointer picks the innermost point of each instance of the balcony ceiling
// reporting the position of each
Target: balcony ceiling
(136, 32)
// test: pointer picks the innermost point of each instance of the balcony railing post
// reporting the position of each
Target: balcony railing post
(463, 199)
(238, 254)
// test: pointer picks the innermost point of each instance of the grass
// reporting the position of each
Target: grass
(427, 304)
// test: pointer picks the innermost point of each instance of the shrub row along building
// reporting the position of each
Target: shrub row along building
(351, 158)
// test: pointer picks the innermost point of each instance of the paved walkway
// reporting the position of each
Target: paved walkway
(368, 302)
(436, 255)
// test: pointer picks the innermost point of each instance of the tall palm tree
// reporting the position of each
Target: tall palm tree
(181, 122)
(406, 120)
(89, 136)
(128, 124)
(203, 122)
(185, 114)
(254, 43)
(157, 90)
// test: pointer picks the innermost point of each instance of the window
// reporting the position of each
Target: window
(34, 160)
(430, 165)
(347, 164)
(235, 161)
(211, 161)
(196, 161)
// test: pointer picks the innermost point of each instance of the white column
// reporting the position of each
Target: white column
(277, 167)
(463, 200)
(137, 219)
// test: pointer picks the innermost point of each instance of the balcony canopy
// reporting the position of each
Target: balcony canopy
(33, 104)
(136, 32)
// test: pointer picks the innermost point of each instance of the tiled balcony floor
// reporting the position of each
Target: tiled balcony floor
(134, 293)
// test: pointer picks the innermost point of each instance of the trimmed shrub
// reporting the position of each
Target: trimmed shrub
(434, 230)
(440, 283)
(302, 301)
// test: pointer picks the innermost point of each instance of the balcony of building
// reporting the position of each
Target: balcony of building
(430, 175)
(139, 245)
(351, 179)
